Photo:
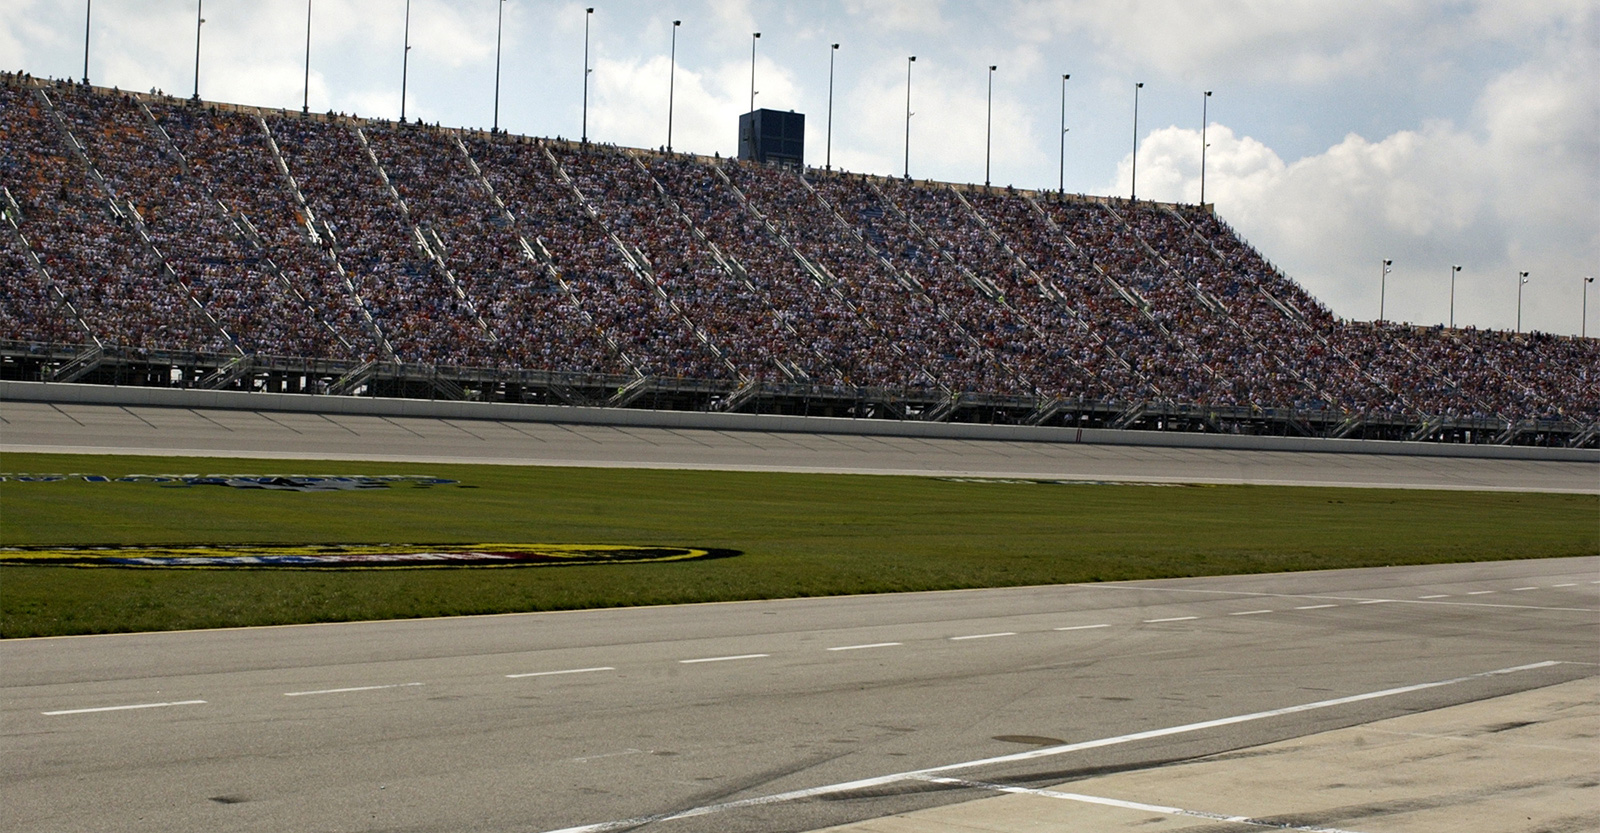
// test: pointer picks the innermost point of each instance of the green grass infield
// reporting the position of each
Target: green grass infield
(799, 535)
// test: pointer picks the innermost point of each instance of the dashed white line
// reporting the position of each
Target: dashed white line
(1480, 592)
(1515, 589)
(1313, 607)
(1170, 619)
(558, 673)
(983, 636)
(722, 659)
(352, 688)
(1249, 612)
(1373, 601)
(1436, 596)
(125, 708)
(1082, 627)
(1567, 584)
(866, 646)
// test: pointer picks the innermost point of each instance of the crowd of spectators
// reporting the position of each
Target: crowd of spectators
(177, 225)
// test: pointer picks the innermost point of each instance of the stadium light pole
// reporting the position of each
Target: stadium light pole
(1383, 285)
(88, 11)
(1204, 107)
(754, 36)
(1583, 326)
(1453, 271)
(499, 28)
(827, 164)
(1133, 190)
(405, 62)
(909, 61)
(1522, 280)
(672, 80)
(305, 98)
(199, 20)
(988, 129)
(1061, 180)
(587, 14)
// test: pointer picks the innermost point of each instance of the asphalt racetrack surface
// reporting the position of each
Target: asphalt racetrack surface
(108, 429)
(760, 716)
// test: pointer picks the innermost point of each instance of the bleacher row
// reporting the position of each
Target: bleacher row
(153, 223)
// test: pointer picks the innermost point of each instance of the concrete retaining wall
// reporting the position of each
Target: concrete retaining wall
(305, 403)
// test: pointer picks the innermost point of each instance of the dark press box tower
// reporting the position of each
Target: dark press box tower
(773, 136)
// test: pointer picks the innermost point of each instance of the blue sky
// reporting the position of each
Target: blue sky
(1432, 133)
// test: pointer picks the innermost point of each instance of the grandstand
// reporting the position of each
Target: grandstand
(158, 241)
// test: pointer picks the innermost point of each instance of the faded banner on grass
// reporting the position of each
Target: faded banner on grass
(352, 556)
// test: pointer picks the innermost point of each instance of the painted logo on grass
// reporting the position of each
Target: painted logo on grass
(353, 556)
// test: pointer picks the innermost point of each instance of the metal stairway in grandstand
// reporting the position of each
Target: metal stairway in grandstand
(425, 241)
(127, 215)
(639, 265)
(537, 254)
(242, 229)
(13, 221)
(325, 242)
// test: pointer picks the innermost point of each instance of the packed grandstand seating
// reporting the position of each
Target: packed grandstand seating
(151, 223)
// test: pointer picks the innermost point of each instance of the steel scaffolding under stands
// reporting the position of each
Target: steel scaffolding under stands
(22, 361)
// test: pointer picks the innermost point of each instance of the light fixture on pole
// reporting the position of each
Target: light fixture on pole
(672, 80)
(587, 14)
(405, 63)
(1583, 327)
(1453, 271)
(305, 98)
(827, 163)
(1522, 280)
(88, 10)
(1204, 106)
(909, 61)
(199, 20)
(1061, 181)
(988, 129)
(754, 36)
(1383, 285)
(499, 28)
(1133, 191)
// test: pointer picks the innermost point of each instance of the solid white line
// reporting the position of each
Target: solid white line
(1127, 805)
(126, 708)
(1567, 584)
(723, 659)
(1436, 596)
(556, 673)
(1170, 619)
(870, 645)
(1249, 612)
(983, 636)
(343, 690)
(1514, 589)
(1082, 627)
(1044, 752)
(1314, 607)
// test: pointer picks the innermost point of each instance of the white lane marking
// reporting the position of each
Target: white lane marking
(1249, 612)
(1126, 805)
(1436, 596)
(1043, 752)
(1170, 619)
(1082, 627)
(1594, 582)
(1480, 592)
(558, 673)
(1567, 584)
(1373, 601)
(1106, 586)
(868, 645)
(983, 636)
(1313, 607)
(1514, 589)
(723, 659)
(343, 690)
(126, 708)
